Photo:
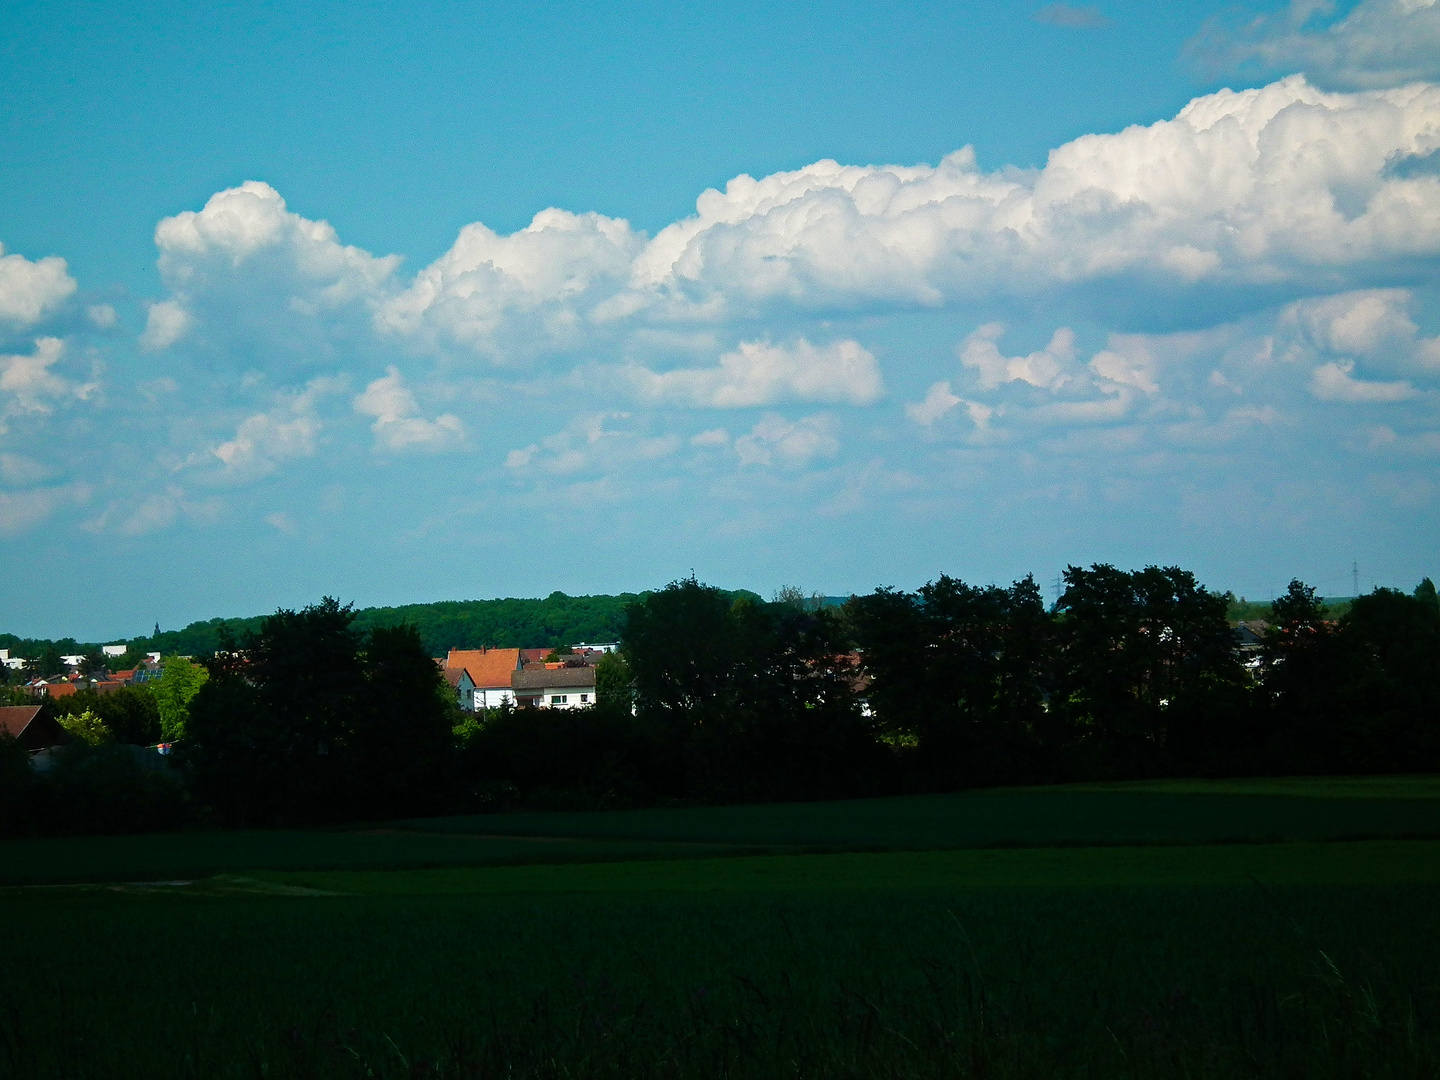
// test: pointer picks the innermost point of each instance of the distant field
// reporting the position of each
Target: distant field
(1077, 932)
(159, 856)
(1301, 787)
(1166, 813)
(1373, 862)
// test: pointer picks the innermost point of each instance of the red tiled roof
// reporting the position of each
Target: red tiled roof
(489, 668)
(30, 727)
(14, 718)
(64, 689)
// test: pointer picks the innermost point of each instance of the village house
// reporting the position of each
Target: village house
(32, 730)
(489, 673)
(463, 685)
(1250, 643)
(555, 686)
(57, 689)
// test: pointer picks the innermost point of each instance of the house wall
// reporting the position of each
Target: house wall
(492, 697)
(574, 697)
(465, 695)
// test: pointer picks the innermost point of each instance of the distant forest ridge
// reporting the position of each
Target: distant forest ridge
(512, 623)
(558, 619)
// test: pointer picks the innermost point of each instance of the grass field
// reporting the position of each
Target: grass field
(966, 936)
(1168, 813)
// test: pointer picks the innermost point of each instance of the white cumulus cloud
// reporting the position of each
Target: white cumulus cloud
(712, 437)
(264, 441)
(165, 323)
(588, 444)
(29, 290)
(759, 373)
(1283, 184)
(1044, 368)
(938, 401)
(1333, 382)
(246, 222)
(1358, 323)
(1375, 324)
(398, 425)
(789, 444)
(247, 276)
(29, 384)
(1128, 364)
(1258, 185)
(542, 281)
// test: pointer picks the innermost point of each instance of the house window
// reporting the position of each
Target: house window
(584, 698)
(557, 699)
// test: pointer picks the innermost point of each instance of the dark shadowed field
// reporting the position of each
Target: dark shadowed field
(1286, 928)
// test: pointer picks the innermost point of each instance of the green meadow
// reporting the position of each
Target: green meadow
(1283, 928)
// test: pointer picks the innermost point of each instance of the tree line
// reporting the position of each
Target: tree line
(717, 696)
(555, 620)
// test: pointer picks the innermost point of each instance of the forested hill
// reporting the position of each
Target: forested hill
(527, 624)
(558, 619)
(467, 624)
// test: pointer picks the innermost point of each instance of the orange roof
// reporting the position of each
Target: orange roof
(489, 668)
(64, 689)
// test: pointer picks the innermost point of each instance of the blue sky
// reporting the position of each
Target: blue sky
(444, 300)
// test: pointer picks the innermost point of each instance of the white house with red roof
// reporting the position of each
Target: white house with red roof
(490, 673)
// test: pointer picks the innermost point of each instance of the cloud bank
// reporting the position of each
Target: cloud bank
(930, 351)
(1284, 186)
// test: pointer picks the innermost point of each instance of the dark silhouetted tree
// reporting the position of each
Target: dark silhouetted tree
(1143, 656)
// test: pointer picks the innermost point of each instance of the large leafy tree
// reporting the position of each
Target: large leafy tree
(1305, 679)
(961, 672)
(48, 663)
(1381, 684)
(131, 713)
(614, 684)
(754, 698)
(1143, 656)
(309, 719)
(684, 651)
(177, 685)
